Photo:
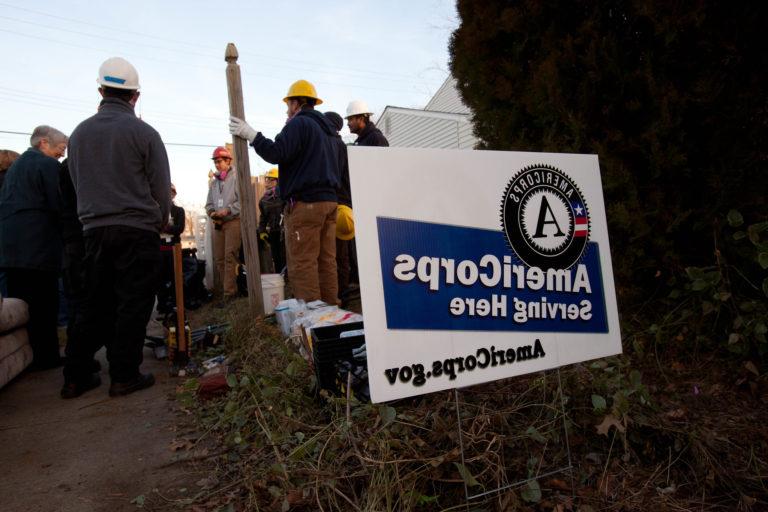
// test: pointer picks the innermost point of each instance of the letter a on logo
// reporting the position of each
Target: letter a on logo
(545, 212)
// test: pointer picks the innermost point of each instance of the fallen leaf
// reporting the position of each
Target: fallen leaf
(466, 475)
(178, 444)
(593, 458)
(608, 422)
(295, 497)
(207, 482)
(531, 492)
(559, 484)
(676, 414)
(667, 490)
(749, 365)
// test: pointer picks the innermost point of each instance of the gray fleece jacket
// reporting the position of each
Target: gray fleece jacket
(120, 170)
(224, 194)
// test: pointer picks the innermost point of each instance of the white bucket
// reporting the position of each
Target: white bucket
(273, 290)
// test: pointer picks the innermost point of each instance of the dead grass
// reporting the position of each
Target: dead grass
(699, 443)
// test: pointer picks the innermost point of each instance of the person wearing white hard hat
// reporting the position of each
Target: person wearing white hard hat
(120, 171)
(359, 122)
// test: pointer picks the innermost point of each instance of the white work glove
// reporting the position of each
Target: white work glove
(241, 129)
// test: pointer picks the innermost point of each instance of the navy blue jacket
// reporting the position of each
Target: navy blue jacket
(308, 157)
(30, 233)
(371, 136)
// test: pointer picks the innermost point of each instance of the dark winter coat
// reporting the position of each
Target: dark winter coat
(271, 211)
(371, 136)
(30, 236)
(307, 155)
(172, 233)
(345, 190)
(71, 228)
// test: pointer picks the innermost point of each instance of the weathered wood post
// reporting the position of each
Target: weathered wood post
(248, 224)
(182, 346)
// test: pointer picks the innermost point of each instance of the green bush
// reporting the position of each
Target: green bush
(669, 94)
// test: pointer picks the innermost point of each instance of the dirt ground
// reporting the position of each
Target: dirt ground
(92, 453)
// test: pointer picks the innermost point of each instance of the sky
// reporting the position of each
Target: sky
(385, 53)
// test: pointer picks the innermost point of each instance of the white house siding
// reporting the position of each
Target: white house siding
(444, 123)
(424, 132)
(467, 139)
(421, 129)
(447, 99)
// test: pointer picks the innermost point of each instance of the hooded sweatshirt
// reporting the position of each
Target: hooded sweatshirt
(308, 157)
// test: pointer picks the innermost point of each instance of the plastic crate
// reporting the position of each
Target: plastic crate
(329, 349)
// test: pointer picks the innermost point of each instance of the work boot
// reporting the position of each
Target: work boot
(142, 381)
(74, 389)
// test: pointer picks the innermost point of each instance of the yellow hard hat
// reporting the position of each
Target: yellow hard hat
(345, 223)
(302, 88)
(272, 173)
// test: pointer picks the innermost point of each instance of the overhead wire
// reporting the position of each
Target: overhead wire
(199, 66)
(186, 144)
(374, 73)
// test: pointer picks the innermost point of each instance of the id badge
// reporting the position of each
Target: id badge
(221, 203)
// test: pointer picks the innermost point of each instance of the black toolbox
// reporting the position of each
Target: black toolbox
(333, 355)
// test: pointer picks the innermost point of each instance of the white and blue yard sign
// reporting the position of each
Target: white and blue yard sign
(479, 265)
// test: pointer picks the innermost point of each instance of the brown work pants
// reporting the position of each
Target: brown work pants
(226, 251)
(310, 241)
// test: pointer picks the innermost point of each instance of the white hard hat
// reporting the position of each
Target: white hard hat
(356, 108)
(119, 74)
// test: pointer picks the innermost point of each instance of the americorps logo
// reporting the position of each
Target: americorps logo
(442, 277)
(545, 217)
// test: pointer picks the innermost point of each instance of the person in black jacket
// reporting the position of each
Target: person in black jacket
(359, 123)
(30, 239)
(308, 158)
(346, 254)
(271, 220)
(170, 236)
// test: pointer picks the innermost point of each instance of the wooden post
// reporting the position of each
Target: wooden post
(181, 321)
(248, 224)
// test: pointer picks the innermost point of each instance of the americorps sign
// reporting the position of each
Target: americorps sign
(479, 265)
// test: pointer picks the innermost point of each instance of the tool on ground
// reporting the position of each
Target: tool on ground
(178, 334)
